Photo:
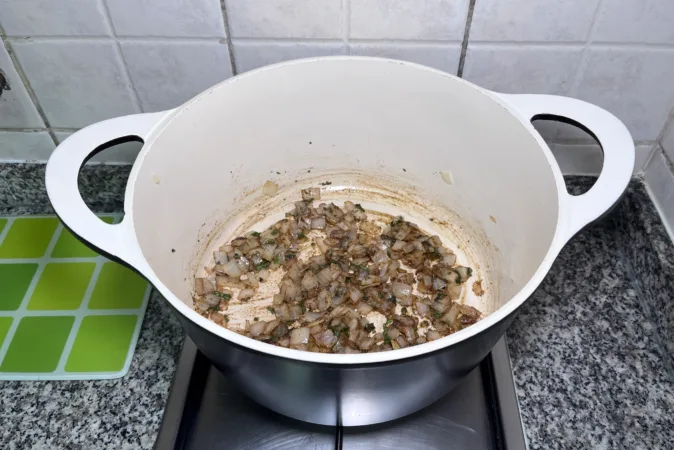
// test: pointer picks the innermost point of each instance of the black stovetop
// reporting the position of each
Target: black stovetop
(206, 411)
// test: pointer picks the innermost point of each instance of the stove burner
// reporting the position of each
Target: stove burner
(206, 411)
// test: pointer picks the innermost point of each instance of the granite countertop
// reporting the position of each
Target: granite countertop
(591, 350)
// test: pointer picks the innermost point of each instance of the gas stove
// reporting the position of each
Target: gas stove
(205, 410)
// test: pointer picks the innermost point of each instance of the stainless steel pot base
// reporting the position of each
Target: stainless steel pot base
(206, 411)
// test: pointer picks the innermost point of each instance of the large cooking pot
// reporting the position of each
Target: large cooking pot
(459, 160)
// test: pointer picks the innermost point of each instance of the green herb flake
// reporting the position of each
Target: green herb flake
(271, 310)
(290, 256)
(223, 295)
(359, 206)
(436, 314)
(262, 265)
(301, 236)
(274, 232)
(404, 311)
(369, 327)
(255, 233)
(256, 319)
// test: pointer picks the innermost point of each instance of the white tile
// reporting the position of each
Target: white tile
(635, 85)
(16, 108)
(167, 74)
(571, 134)
(52, 17)
(18, 146)
(285, 18)
(660, 183)
(532, 20)
(668, 138)
(642, 153)
(251, 55)
(125, 153)
(578, 159)
(530, 70)
(193, 18)
(547, 129)
(76, 82)
(405, 19)
(440, 56)
(647, 21)
(588, 159)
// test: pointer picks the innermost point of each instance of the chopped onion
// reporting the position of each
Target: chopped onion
(299, 336)
(422, 309)
(309, 281)
(232, 269)
(203, 286)
(326, 338)
(364, 309)
(401, 289)
(257, 328)
(432, 335)
(439, 284)
(324, 276)
(311, 316)
(351, 260)
(271, 326)
(295, 312)
(355, 294)
(318, 223)
(245, 294)
(220, 257)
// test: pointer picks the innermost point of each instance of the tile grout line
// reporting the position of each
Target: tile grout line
(28, 294)
(466, 38)
(5, 231)
(643, 303)
(79, 314)
(26, 84)
(228, 37)
(81, 311)
(346, 25)
(135, 98)
(583, 61)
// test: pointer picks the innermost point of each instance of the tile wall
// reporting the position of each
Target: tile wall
(75, 62)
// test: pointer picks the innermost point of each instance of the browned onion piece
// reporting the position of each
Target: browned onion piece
(299, 336)
(257, 328)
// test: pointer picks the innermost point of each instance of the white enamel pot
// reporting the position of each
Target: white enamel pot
(382, 132)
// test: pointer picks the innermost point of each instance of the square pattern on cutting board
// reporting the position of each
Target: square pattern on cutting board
(65, 311)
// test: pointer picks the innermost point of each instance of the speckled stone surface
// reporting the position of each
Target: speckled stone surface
(587, 361)
(589, 349)
(22, 186)
(123, 413)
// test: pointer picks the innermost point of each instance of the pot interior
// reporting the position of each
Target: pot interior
(382, 133)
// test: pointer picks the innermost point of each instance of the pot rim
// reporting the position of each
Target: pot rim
(558, 240)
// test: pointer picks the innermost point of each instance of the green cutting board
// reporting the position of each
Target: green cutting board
(66, 313)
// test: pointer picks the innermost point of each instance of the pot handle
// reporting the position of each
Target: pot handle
(613, 137)
(63, 169)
